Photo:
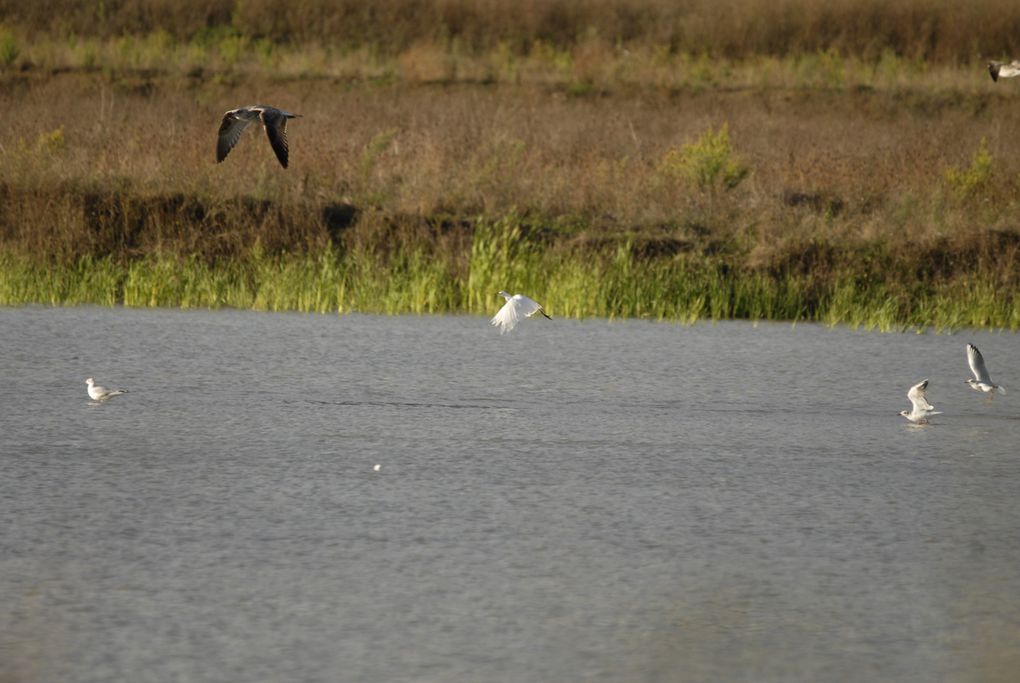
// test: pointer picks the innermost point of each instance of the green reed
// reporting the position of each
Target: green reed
(570, 281)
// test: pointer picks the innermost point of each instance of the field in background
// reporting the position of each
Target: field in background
(941, 31)
(844, 162)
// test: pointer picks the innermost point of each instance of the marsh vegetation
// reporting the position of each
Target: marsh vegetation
(842, 162)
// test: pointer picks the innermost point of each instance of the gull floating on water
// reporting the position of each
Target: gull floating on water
(516, 307)
(982, 380)
(273, 120)
(922, 410)
(98, 393)
(999, 70)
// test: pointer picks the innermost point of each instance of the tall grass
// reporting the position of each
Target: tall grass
(570, 281)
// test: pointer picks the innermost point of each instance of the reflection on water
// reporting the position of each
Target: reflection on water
(575, 501)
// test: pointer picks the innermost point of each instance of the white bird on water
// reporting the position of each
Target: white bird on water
(98, 393)
(517, 306)
(922, 410)
(999, 70)
(982, 380)
(273, 120)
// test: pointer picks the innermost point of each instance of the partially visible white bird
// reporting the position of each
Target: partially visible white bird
(516, 307)
(273, 120)
(999, 70)
(982, 380)
(98, 393)
(922, 410)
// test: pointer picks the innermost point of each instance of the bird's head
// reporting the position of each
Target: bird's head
(90, 381)
(904, 413)
(503, 294)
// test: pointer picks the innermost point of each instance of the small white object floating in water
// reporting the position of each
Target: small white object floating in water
(98, 393)
(999, 70)
(273, 120)
(376, 468)
(982, 380)
(514, 310)
(922, 410)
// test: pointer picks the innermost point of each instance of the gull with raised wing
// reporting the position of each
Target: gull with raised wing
(273, 120)
(98, 393)
(922, 410)
(999, 70)
(982, 380)
(517, 307)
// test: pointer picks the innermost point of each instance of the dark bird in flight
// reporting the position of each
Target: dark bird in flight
(273, 120)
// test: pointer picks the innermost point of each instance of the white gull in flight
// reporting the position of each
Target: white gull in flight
(516, 308)
(921, 410)
(982, 380)
(999, 70)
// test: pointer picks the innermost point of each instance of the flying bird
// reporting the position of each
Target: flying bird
(982, 380)
(516, 307)
(921, 410)
(273, 120)
(98, 393)
(1004, 69)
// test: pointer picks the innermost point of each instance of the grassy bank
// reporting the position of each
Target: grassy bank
(870, 289)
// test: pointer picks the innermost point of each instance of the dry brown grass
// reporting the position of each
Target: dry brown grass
(933, 30)
(831, 164)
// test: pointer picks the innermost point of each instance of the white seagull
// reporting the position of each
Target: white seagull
(922, 410)
(516, 307)
(98, 393)
(236, 120)
(1004, 69)
(982, 380)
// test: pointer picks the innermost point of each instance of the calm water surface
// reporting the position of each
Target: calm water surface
(577, 501)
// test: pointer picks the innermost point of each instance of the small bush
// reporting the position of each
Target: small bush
(51, 142)
(977, 178)
(708, 163)
(8, 48)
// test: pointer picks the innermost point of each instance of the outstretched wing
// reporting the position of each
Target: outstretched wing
(527, 306)
(507, 317)
(1010, 70)
(977, 365)
(917, 397)
(275, 124)
(230, 131)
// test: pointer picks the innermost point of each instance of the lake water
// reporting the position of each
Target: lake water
(575, 501)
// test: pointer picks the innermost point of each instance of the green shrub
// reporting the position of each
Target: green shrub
(8, 47)
(974, 180)
(708, 163)
(52, 142)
